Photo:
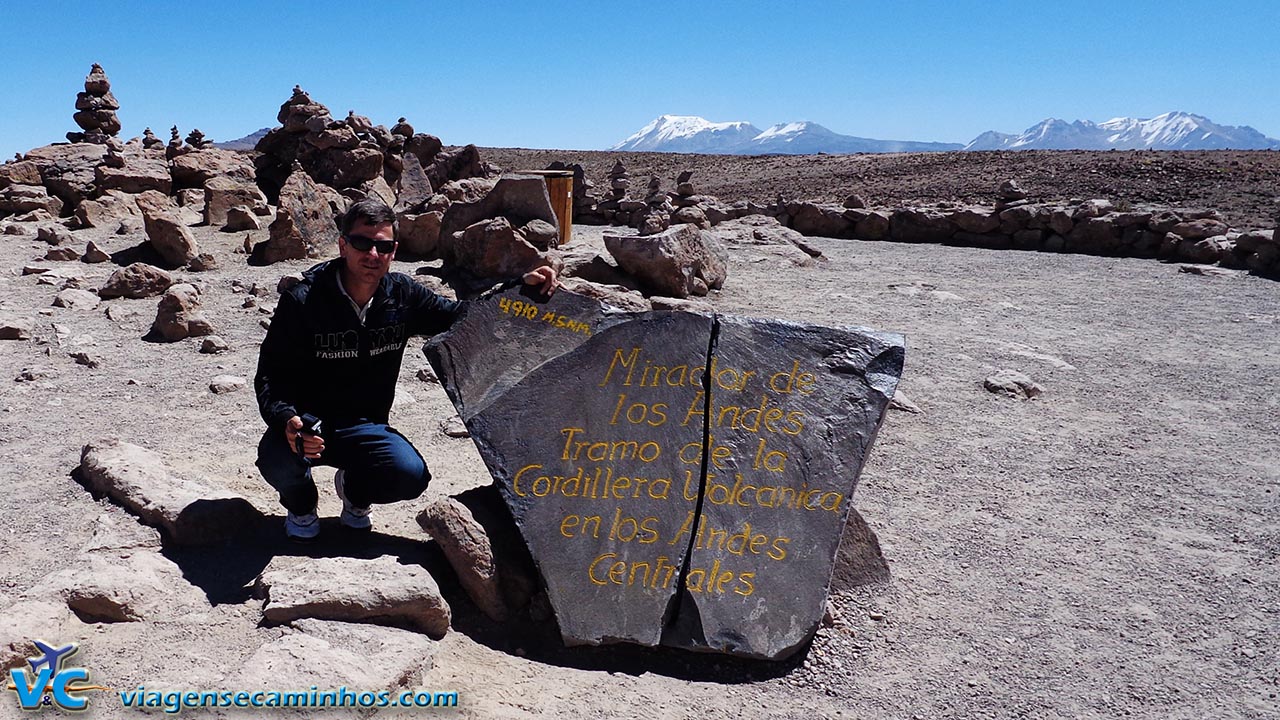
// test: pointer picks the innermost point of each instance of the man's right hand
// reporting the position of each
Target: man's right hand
(312, 445)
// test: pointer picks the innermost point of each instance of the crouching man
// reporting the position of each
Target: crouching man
(333, 355)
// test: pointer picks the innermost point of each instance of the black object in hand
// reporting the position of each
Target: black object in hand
(310, 426)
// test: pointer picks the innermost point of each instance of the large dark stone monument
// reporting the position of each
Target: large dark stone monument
(680, 479)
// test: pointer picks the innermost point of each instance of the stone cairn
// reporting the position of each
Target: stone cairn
(618, 184)
(150, 141)
(96, 110)
(684, 184)
(1010, 194)
(197, 140)
(175, 147)
(353, 155)
(403, 129)
(656, 216)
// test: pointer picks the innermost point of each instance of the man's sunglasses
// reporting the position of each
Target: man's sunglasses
(363, 244)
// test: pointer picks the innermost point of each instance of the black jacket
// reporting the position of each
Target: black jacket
(317, 358)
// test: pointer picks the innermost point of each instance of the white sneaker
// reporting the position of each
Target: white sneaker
(302, 527)
(356, 518)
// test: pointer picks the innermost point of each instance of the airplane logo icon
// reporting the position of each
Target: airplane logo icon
(49, 683)
(52, 657)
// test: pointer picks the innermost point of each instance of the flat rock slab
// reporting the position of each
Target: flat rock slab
(330, 654)
(380, 591)
(189, 512)
(121, 576)
(661, 513)
(29, 619)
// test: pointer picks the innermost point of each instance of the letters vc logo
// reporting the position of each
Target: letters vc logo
(49, 683)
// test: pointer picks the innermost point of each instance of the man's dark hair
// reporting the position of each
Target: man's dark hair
(369, 211)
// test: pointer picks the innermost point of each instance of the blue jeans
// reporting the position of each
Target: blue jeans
(381, 466)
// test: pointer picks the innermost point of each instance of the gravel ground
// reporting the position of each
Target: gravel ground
(1108, 549)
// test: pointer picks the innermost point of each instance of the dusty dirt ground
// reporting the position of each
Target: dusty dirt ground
(1243, 185)
(1108, 549)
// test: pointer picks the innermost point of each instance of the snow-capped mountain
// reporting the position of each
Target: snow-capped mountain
(688, 134)
(1170, 131)
(691, 134)
(805, 138)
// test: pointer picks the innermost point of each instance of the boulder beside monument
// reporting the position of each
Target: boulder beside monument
(681, 479)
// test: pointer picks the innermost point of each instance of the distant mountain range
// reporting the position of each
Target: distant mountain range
(1170, 131)
(248, 142)
(691, 134)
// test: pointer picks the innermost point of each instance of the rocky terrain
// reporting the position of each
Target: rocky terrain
(1076, 489)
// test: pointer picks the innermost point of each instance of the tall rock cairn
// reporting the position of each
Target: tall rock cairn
(96, 110)
(618, 184)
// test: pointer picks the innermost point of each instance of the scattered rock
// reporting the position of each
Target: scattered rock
(517, 198)
(89, 360)
(678, 262)
(222, 384)
(616, 296)
(427, 375)
(165, 230)
(107, 210)
(94, 254)
(1211, 271)
(541, 234)
(380, 591)
(1012, 383)
(35, 374)
(466, 546)
(203, 262)
(214, 344)
(901, 402)
(17, 199)
(493, 249)
(690, 305)
(54, 235)
(187, 511)
(15, 328)
(73, 299)
(62, 254)
(1010, 190)
(304, 226)
(179, 314)
(454, 427)
(419, 235)
(222, 194)
(138, 280)
(241, 218)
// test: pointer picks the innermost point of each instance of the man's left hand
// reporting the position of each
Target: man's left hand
(544, 278)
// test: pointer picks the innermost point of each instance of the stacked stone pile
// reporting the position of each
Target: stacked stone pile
(96, 110)
(656, 216)
(609, 208)
(353, 155)
(197, 141)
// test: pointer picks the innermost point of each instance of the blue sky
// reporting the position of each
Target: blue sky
(584, 75)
